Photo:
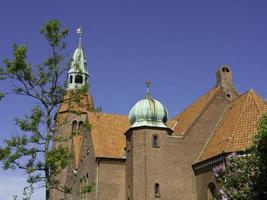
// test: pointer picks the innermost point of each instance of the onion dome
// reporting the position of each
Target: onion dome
(148, 112)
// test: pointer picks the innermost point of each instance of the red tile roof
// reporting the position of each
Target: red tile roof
(187, 117)
(237, 126)
(108, 133)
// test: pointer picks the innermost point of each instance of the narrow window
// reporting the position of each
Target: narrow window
(155, 141)
(78, 79)
(128, 145)
(128, 192)
(157, 190)
(80, 126)
(71, 77)
(74, 125)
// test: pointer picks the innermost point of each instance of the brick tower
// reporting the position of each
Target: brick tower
(144, 142)
(72, 113)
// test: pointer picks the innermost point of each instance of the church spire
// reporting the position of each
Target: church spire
(78, 74)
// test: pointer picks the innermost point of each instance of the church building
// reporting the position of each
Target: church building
(145, 155)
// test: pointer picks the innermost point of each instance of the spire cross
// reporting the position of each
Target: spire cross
(80, 33)
(148, 83)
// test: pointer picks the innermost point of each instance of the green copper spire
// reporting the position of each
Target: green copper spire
(78, 74)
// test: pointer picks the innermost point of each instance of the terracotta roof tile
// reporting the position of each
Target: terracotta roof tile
(237, 126)
(108, 133)
(188, 116)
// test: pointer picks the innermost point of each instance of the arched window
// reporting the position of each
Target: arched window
(80, 126)
(157, 190)
(74, 125)
(225, 69)
(155, 141)
(211, 191)
(71, 77)
(78, 79)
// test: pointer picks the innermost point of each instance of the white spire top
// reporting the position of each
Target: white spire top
(80, 33)
(78, 74)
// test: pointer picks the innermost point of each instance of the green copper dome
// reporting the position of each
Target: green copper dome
(148, 112)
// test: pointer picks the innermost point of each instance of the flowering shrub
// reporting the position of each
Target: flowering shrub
(243, 176)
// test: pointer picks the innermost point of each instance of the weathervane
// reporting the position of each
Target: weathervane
(80, 33)
(148, 83)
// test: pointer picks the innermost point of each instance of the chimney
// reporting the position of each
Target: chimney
(224, 77)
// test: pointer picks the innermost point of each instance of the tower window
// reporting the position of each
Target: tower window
(78, 79)
(74, 125)
(157, 190)
(155, 141)
(225, 69)
(71, 77)
(80, 126)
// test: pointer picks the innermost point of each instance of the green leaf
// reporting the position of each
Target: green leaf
(2, 95)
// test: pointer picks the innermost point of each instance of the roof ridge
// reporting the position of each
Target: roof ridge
(200, 114)
(245, 93)
(239, 117)
(257, 106)
(195, 101)
(256, 94)
(213, 131)
(108, 114)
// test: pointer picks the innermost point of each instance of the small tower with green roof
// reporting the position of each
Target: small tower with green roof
(78, 74)
(145, 144)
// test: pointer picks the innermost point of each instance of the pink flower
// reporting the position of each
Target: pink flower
(233, 154)
(219, 169)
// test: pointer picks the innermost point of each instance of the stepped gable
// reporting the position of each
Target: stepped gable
(237, 127)
(188, 117)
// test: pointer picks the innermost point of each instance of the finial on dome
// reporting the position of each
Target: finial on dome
(80, 33)
(148, 83)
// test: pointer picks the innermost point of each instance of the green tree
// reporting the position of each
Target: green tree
(243, 176)
(32, 150)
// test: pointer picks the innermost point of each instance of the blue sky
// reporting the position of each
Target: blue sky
(178, 45)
